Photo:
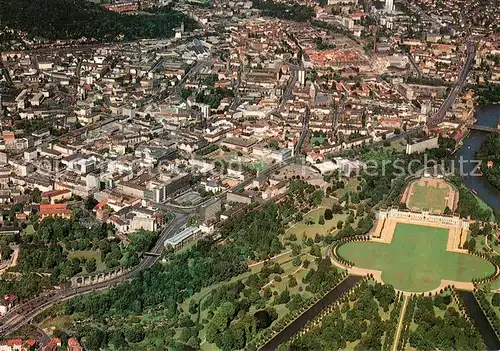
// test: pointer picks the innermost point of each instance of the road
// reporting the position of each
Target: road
(288, 90)
(336, 114)
(400, 324)
(303, 134)
(236, 99)
(452, 96)
(24, 313)
(414, 64)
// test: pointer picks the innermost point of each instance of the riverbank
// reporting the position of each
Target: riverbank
(487, 116)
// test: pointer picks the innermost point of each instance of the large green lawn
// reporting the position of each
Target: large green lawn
(416, 260)
(428, 197)
(100, 266)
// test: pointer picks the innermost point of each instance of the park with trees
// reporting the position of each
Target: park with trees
(49, 19)
(236, 291)
(362, 319)
(59, 249)
(259, 270)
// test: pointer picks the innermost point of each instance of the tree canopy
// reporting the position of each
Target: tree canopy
(74, 19)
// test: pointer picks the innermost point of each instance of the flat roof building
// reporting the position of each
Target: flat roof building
(185, 236)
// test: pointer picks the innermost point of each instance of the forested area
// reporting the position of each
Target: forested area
(448, 331)
(45, 254)
(489, 153)
(468, 204)
(254, 234)
(46, 250)
(487, 93)
(159, 288)
(74, 19)
(291, 11)
(357, 319)
(231, 315)
(164, 286)
(232, 322)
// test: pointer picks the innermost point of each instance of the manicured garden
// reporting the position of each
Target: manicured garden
(416, 260)
(428, 197)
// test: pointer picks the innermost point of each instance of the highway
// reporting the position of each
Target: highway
(24, 313)
(452, 96)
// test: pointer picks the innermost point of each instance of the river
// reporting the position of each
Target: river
(486, 116)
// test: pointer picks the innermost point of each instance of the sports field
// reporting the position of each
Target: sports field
(428, 197)
(416, 260)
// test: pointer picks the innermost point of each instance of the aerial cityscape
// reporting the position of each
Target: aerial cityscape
(249, 175)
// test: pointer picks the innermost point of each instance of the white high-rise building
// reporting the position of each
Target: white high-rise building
(389, 6)
(302, 77)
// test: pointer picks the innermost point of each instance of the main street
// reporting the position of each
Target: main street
(24, 313)
(452, 96)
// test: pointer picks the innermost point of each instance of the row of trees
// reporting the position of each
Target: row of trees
(357, 319)
(488, 309)
(450, 332)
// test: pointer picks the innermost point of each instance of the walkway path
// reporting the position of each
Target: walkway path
(272, 280)
(488, 245)
(13, 261)
(270, 259)
(400, 324)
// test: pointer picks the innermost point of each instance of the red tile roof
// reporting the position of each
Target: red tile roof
(54, 209)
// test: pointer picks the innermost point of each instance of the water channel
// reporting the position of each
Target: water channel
(486, 116)
(312, 312)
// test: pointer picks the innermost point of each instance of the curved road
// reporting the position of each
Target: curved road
(24, 313)
(452, 96)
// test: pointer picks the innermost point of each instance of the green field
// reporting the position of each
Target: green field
(428, 197)
(303, 230)
(89, 255)
(416, 260)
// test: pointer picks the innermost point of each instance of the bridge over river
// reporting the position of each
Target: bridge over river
(484, 128)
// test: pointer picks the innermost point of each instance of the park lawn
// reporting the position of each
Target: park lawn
(416, 260)
(205, 345)
(88, 255)
(29, 229)
(494, 285)
(328, 202)
(484, 206)
(303, 230)
(61, 322)
(398, 145)
(320, 139)
(351, 185)
(428, 197)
